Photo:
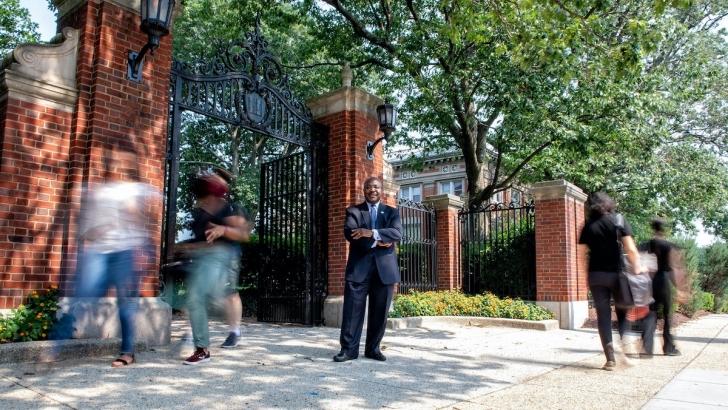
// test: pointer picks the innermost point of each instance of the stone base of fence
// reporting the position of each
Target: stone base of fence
(98, 318)
(570, 315)
(333, 311)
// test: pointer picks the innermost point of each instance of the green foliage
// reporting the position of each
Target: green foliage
(626, 96)
(714, 269)
(498, 256)
(454, 303)
(689, 260)
(31, 321)
(707, 301)
(15, 26)
(721, 304)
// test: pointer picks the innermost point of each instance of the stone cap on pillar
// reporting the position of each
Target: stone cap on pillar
(344, 99)
(444, 201)
(43, 73)
(557, 189)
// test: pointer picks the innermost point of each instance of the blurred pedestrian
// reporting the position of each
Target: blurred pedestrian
(215, 247)
(601, 234)
(233, 304)
(665, 278)
(112, 238)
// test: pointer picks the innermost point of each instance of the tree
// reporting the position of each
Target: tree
(15, 26)
(607, 94)
(512, 78)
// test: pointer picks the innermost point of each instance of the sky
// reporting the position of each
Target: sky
(46, 20)
(40, 14)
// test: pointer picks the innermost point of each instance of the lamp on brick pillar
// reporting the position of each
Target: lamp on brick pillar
(156, 16)
(387, 117)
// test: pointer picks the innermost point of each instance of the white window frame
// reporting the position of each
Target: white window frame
(451, 186)
(409, 189)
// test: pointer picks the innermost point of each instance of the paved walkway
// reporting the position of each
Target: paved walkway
(438, 367)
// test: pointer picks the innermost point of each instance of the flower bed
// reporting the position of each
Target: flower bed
(454, 303)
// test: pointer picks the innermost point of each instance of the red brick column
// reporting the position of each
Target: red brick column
(560, 262)
(115, 114)
(350, 114)
(37, 99)
(448, 240)
(65, 109)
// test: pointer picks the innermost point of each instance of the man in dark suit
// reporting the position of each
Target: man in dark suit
(371, 228)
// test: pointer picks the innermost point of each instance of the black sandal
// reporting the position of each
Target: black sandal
(119, 362)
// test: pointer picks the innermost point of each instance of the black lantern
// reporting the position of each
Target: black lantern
(387, 116)
(156, 16)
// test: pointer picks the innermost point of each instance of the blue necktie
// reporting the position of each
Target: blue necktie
(373, 216)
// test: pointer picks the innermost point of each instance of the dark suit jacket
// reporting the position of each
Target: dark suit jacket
(361, 255)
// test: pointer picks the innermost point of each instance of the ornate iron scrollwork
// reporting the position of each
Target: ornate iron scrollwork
(243, 84)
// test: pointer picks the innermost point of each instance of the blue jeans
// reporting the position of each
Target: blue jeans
(97, 272)
(209, 272)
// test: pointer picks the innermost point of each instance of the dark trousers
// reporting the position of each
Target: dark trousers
(646, 327)
(662, 292)
(355, 299)
(603, 287)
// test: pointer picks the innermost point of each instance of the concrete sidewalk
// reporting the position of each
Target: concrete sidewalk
(438, 367)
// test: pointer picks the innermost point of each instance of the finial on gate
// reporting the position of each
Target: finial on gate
(346, 75)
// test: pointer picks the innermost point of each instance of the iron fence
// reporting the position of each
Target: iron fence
(498, 247)
(417, 251)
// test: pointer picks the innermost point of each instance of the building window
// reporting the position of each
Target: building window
(515, 196)
(411, 192)
(497, 198)
(452, 187)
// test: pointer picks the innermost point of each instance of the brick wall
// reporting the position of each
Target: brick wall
(114, 113)
(48, 156)
(33, 171)
(348, 168)
(560, 261)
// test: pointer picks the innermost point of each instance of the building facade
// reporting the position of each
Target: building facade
(441, 174)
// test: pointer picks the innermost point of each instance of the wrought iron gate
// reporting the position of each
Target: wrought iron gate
(498, 247)
(417, 250)
(291, 287)
(244, 85)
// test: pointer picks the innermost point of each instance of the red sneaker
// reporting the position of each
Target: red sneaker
(199, 356)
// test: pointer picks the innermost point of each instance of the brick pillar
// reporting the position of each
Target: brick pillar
(67, 108)
(561, 283)
(113, 113)
(37, 100)
(448, 240)
(350, 114)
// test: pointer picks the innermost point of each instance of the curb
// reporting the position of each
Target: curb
(44, 351)
(424, 321)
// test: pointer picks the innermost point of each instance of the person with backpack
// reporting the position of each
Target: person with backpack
(603, 234)
(665, 278)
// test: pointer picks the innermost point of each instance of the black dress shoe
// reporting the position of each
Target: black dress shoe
(343, 357)
(376, 356)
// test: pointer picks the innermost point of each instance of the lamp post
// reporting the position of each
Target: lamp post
(156, 16)
(387, 116)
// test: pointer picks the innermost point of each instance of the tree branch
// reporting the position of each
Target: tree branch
(359, 28)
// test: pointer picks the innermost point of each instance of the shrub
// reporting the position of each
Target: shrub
(707, 301)
(714, 269)
(454, 303)
(721, 304)
(31, 321)
(689, 259)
